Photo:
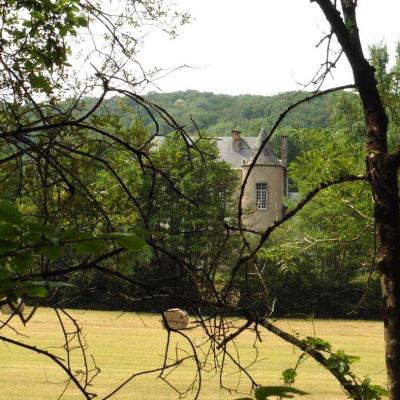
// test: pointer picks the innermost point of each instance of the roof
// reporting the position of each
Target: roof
(244, 155)
(248, 148)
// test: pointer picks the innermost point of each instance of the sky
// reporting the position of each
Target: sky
(259, 47)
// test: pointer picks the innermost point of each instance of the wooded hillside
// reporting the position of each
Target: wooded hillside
(218, 114)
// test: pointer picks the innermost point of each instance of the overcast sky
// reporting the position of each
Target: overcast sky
(258, 46)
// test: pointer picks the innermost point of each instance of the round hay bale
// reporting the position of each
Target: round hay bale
(19, 306)
(176, 318)
(233, 297)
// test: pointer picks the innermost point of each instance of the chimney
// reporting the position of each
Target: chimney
(236, 140)
(284, 149)
(262, 137)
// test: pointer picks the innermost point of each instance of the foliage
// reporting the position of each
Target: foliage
(388, 80)
(192, 230)
(23, 243)
(40, 38)
(339, 363)
(325, 255)
(34, 42)
(219, 114)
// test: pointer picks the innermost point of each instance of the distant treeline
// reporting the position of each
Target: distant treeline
(218, 114)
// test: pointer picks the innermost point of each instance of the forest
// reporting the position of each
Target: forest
(217, 114)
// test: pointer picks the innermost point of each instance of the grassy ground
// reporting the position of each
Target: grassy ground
(123, 344)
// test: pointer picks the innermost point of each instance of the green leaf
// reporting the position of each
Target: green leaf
(9, 213)
(289, 376)
(5, 283)
(88, 246)
(31, 288)
(317, 343)
(32, 236)
(82, 21)
(7, 245)
(285, 392)
(83, 242)
(39, 82)
(8, 231)
(51, 251)
(54, 285)
(54, 240)
(37, 288)
(129, 241)
(21, 263)
(341, 361)
(372, 392)
(35, 291)
(64, 30)
(34, 227)
(71, 234)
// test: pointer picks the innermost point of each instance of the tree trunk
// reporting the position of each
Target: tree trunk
(383, 172)
(382, 169)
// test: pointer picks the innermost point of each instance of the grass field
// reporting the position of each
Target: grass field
(123, 344)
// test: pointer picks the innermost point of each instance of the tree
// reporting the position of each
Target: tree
(325, 255)
(91, 193)
(382, 170)
(59, 216)
(194, 231)
(381, 174)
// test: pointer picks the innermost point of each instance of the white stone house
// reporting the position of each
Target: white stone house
(263, 200)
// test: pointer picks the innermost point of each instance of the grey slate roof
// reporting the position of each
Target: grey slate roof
(243, 156)
(246, 153)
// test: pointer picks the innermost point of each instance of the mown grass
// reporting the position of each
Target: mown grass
(123, 344)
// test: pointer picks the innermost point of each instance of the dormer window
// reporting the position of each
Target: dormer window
(261, 195)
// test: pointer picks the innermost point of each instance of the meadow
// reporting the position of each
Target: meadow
(126, 343)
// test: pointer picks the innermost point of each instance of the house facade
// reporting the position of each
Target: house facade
(267, 185)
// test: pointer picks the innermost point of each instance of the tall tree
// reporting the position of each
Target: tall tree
(382, 170)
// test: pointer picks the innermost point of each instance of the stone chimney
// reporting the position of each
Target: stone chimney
(262, 137)
(284, 149)
(236, 140)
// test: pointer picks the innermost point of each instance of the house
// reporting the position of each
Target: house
(263, 200)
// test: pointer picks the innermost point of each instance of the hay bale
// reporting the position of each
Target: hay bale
(175, 318)
(233, 297)
(19, 306)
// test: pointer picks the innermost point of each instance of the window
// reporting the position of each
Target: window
(261, 196)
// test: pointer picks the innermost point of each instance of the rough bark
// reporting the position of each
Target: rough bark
(382, 169)
(383, 172)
